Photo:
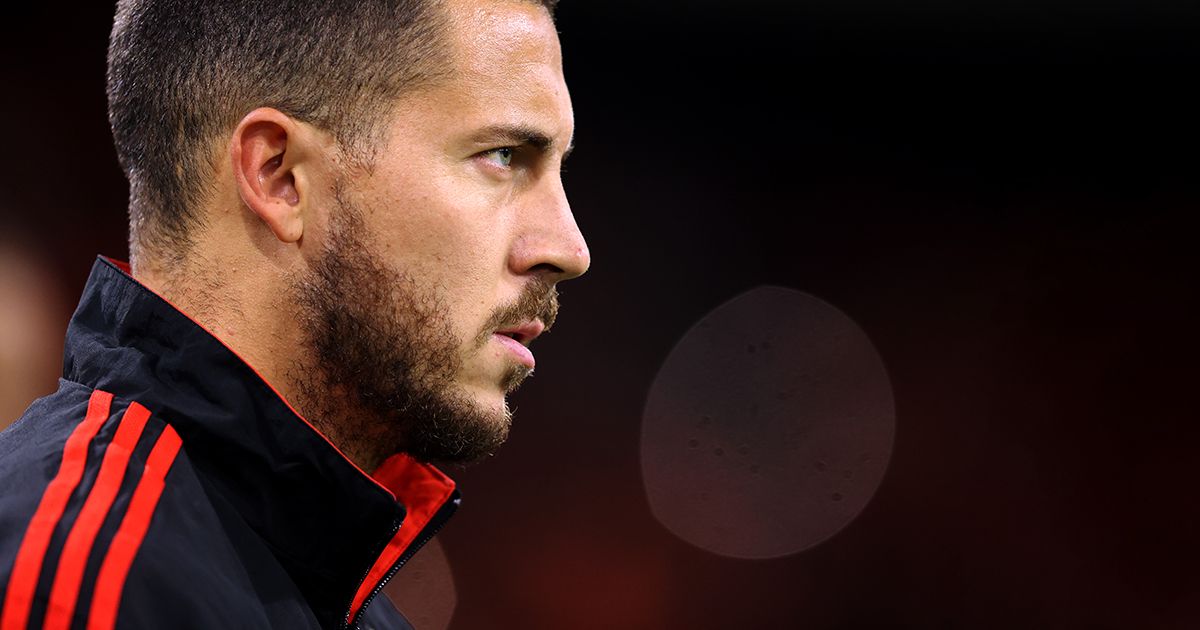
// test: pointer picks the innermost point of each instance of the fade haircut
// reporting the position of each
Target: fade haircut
(182, 73)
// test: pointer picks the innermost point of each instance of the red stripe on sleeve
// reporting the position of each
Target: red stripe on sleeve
(28, 565)
(78, 547)
(129, 536)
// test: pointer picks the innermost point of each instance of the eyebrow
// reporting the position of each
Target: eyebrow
(521, 134)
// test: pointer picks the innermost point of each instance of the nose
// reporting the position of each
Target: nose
(550, 242)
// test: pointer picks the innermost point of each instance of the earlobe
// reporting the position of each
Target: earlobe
(263, 152)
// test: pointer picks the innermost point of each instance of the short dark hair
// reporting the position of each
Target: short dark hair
(183, 72)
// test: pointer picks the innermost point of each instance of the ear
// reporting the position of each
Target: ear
(267, 152)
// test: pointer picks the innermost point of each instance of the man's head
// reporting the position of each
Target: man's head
(380, 182)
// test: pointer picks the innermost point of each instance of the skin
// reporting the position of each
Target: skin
(464, 195)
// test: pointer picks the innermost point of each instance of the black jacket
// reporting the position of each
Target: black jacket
(167, 485)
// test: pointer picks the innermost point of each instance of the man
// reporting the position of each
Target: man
(347, 224)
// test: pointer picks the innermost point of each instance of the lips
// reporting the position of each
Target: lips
(525, 333)
(517, 339)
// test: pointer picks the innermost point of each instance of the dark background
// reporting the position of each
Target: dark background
(1001, 195)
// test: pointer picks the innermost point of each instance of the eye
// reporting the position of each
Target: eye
(501, 157)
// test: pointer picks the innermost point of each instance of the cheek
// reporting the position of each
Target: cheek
(462, 272)
(451, 238)
(438, 221)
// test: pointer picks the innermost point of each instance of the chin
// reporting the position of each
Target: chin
(492, 393)
(493, 403)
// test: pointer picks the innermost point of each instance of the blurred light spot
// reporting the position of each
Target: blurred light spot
(768, 428)
(32, 324)
(423, 590)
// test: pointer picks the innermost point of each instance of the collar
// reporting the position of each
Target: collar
(339, 532)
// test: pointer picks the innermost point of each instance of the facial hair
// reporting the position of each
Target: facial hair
(383, 356)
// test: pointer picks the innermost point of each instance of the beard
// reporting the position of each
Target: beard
(384, 357)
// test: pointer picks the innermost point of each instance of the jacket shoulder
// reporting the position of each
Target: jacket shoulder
(196, 568)
(104, 523)
(31, 452)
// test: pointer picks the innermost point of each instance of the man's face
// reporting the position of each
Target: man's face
(439, 265)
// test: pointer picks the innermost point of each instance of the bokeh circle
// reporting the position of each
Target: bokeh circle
(424, 589)
(768, 427)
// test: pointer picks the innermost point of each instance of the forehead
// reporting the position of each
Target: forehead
(507, 69)
(485, 33)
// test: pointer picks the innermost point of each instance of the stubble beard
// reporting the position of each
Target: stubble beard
(384, 357)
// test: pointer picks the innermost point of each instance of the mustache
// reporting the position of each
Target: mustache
(538, 300)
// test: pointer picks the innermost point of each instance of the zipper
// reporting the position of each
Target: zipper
(431, 529)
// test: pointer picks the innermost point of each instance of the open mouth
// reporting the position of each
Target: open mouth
(517, 347)
(524, 333)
